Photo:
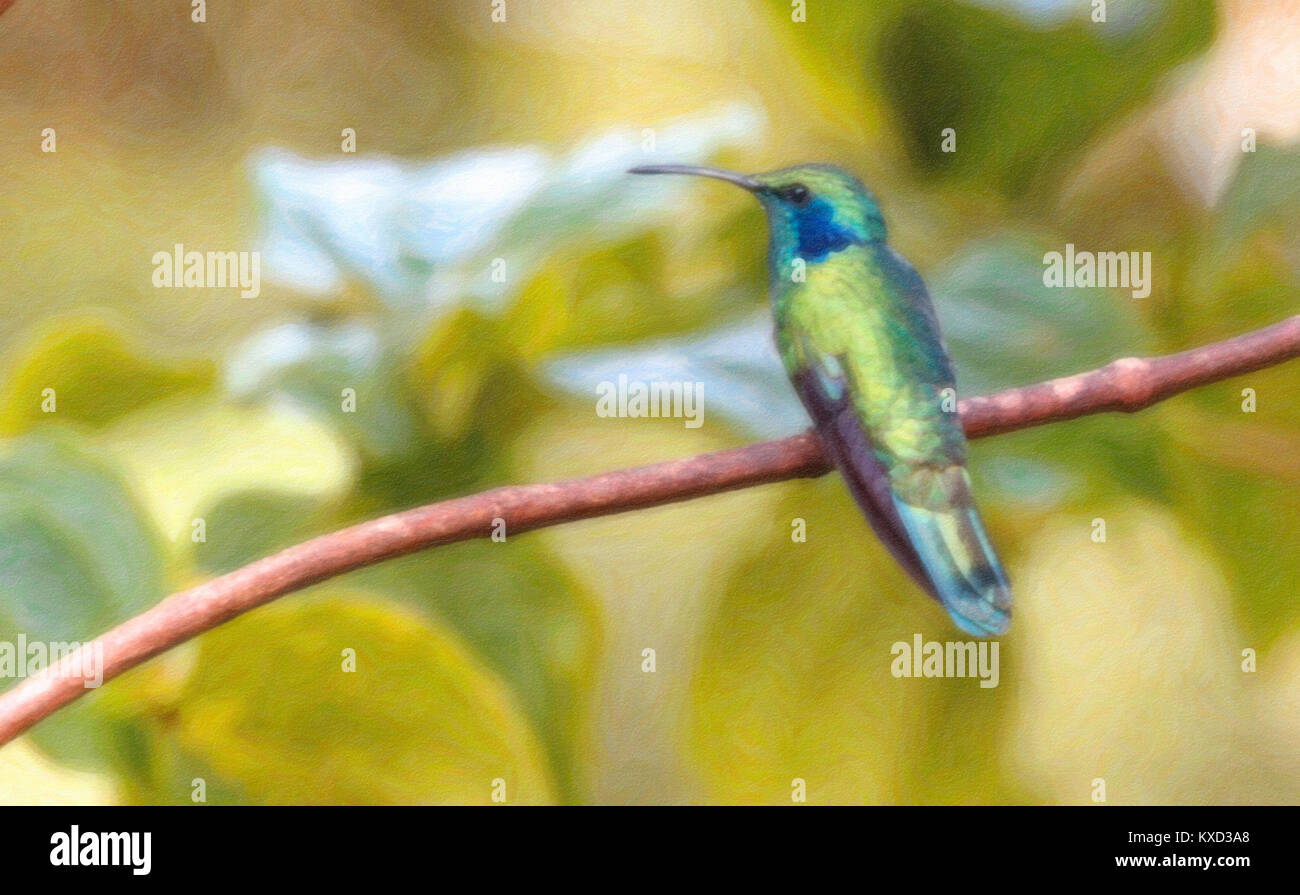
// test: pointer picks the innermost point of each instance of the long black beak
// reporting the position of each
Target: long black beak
(739, 180)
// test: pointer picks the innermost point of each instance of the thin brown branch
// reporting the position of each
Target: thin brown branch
(1125, 385)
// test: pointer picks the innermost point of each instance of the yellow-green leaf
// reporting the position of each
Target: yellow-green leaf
(85, 370)
(419, 721)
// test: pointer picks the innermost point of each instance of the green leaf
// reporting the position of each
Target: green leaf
(249, 525)
(945, 65)
(78, 553)
(97, 375)
(77, 556)
(420, 720)
(793, 675)
(188, 455)
(1006, 328)
(532, 623)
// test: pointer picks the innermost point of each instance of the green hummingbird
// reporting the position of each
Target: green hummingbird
(858, 336)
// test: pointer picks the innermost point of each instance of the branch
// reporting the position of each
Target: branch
(1125, 385)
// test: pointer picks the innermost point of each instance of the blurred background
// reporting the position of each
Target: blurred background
(480, 263)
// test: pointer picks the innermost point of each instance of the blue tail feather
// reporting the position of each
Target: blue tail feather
(954, 548)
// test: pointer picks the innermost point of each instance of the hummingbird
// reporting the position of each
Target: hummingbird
(858, 336)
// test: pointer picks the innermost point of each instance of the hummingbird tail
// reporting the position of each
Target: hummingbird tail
(942, 544)
(965, 572)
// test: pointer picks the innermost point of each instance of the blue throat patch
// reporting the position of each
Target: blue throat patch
(818, 233)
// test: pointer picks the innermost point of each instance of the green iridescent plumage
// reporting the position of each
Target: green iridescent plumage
(858, 336)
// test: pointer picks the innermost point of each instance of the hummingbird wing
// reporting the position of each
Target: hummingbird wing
(852, 453)
(867, 360)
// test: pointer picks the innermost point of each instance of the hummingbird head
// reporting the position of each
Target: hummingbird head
(813, 211)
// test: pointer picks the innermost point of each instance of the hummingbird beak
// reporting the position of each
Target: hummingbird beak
(739, 180)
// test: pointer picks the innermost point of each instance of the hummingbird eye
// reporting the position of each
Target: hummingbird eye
(797, 193)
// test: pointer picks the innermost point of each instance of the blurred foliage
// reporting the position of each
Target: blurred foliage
(524, 661)
(90, 362)
(366, 736)
(1004, 89)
